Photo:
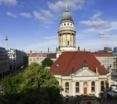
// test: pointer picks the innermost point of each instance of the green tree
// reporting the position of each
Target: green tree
(33, 85)
(47, 62)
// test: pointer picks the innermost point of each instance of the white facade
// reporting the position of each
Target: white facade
(36, 57)
(110, 63)
(85, 77)
(17, 59)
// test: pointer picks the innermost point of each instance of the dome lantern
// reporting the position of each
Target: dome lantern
(66, 17)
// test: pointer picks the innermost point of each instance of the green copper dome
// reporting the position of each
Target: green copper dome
(66, 16)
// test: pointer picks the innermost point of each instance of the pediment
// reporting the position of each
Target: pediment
(84, 72)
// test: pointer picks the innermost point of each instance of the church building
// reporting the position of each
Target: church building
(78, 72)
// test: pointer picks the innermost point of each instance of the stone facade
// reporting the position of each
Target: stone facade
(85, 79)
(36, 57)
(67, 33)
(80, 73)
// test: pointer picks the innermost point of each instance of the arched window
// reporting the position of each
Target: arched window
(93, 86)
(67, 87)
(102, 85)
(77, 87)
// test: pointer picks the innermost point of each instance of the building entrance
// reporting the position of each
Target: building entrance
(85, 90)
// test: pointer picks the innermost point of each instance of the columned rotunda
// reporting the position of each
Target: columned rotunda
(67, 33)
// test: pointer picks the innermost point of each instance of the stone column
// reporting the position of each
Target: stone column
(81, 87)
(97, 87)
(89, 87)
(73, 88)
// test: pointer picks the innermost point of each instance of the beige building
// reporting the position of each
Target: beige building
(106, 59)
(36, 57)
(109, 61)
(80, 73)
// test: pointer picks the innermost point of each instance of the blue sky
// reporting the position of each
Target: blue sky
(33, 24)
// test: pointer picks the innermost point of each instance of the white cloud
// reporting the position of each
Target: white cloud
(100, 32)
(46, 16)
(97, 24)
(26, 14)
(8, 2)
(51, 37)
(61, 4)
(11, 14)
(96, 15)
(44, 44)
(43, 15)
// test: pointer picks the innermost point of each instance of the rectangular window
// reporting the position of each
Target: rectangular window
(93, 86)
(77, 87)
(102, 85)
(67, 87)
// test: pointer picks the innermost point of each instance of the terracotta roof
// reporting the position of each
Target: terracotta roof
(37, 54)
(103, 54)
(70, 62)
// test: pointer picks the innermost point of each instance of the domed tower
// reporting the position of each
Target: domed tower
(67, 33)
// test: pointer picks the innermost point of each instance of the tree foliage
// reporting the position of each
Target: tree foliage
(35, 85)
(47, 62)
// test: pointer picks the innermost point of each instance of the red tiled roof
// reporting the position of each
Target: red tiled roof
(70, 62)
(103, 54)
(37, 54)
